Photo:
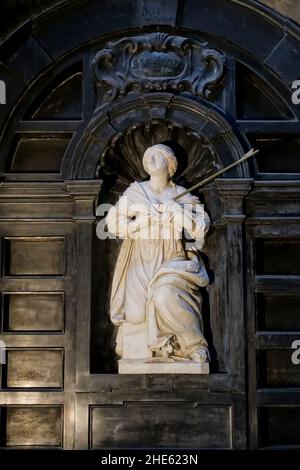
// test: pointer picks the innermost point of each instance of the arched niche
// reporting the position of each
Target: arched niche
(111, 148)
(125, 113)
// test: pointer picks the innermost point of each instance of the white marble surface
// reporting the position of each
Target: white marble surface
(134, 366)
(134, 339)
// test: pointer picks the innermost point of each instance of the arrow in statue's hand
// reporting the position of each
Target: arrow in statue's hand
(247, 155)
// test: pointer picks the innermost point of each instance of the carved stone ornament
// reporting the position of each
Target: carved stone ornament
(158, 62)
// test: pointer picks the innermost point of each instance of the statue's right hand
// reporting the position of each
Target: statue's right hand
(138, 223)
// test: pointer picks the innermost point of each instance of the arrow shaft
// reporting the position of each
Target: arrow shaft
(247, 155)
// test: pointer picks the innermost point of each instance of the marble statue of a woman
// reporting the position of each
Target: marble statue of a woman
(155, 298)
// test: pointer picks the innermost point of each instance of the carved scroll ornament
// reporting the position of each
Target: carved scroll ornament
(158, 62)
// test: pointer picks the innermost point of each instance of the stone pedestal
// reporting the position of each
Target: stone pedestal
(138, 366)
(137, 357)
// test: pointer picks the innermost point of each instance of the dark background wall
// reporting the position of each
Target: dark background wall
(15, 13)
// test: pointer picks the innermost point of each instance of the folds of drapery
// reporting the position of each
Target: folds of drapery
(174, 305)
(185, 276)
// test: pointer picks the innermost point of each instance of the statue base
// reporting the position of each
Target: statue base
(144, 366)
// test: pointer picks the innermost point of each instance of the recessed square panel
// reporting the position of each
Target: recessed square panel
(35, 256)
(278, 311)
(34, 426)
(278, 256)
(279, 154)
(41, 311)
(276, 369)
(279, 426)
(161, 424)
(38, 153)
(35, 368)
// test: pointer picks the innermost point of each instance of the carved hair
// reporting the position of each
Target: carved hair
(167, 153)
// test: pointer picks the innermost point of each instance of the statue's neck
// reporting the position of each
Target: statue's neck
(159, 183)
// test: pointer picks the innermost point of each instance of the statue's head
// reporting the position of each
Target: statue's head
(160, 158)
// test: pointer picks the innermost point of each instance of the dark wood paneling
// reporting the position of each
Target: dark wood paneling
(255, 98)
(273, 315)
(155, 424)
(277, 311)
(278, 256)
(34, 368)
(62, 99)
(36, 210)
(41, 154)
(273, 147)
(34, 426)
(276, 369)
(33, 312)
(34, 256)
(279, 426)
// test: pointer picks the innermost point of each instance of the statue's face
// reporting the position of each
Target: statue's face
(156, 164)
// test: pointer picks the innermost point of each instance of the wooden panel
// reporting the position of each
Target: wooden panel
(64, 100)
(278, 312)
(273, 147)
(255, 98)
(34, 426)
(277, 370)
(33, 312)
(279, 425)
(161, 425)
(62, 210)
(34, 368)
(34, 256)
(42, 154)
(278, 256)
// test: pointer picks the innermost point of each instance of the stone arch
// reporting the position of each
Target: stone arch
(126, 112)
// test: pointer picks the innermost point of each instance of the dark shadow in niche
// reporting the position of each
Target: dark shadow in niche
(207, 331)
(109, 180)
(103, 359)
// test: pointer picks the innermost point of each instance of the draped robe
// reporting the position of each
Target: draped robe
(156, 280)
